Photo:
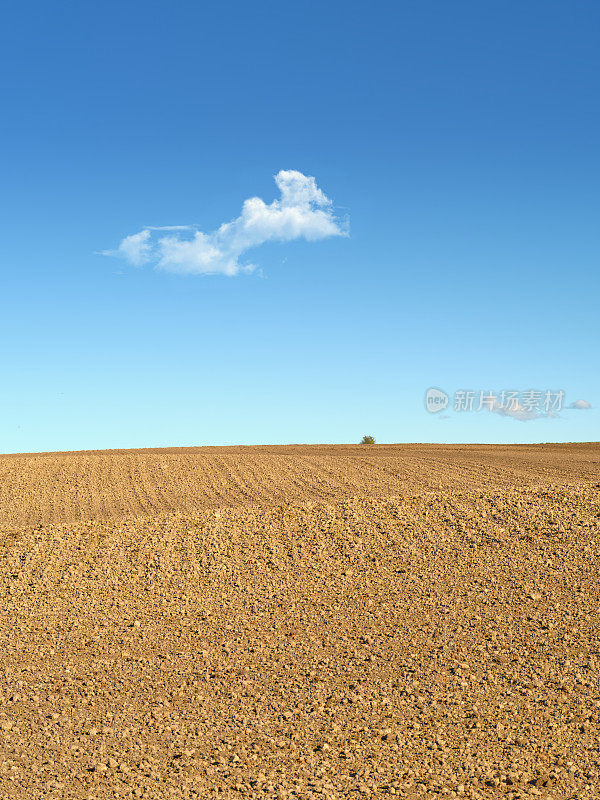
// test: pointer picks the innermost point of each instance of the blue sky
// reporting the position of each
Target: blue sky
(458, 141)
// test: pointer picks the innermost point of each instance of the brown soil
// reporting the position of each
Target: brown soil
(301, 622)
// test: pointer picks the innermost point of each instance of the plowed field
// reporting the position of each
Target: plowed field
(301, 622)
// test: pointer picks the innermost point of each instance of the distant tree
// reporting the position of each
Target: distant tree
(368, 440)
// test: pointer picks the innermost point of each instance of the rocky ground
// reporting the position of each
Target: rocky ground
(301, 623)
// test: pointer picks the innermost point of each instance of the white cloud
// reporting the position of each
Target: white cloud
(135, 248)
(302, 212)
(515, 410)
(581, 405)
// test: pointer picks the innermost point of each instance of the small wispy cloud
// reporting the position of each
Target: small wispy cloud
(302, 211)
(580, 405)
(135, 248)
(169, 227)
(516, 410)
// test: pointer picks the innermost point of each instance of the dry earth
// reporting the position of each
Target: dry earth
(301, 622)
